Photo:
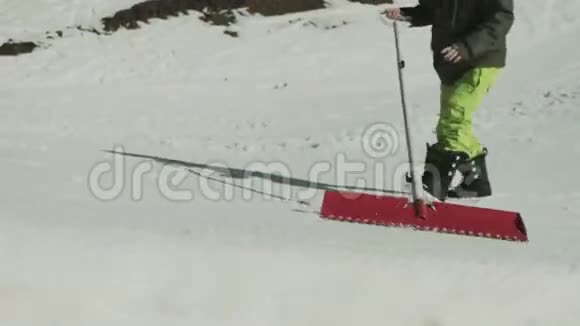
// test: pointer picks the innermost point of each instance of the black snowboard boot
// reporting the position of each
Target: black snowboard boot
(440, 168)
(475, 182)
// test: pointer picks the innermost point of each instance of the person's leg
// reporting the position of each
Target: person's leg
(457, 148)
(458, 104)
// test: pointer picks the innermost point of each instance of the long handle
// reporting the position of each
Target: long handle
(418, 201)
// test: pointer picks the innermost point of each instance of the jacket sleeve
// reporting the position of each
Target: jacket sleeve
(421, 14)
(491, 33)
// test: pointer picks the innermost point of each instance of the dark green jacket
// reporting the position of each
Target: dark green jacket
(477, 27)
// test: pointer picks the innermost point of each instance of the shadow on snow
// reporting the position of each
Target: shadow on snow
(243, 174)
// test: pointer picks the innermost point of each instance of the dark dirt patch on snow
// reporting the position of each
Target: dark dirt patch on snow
(213, 12)
(280, 7)
(217, 12)
(372, 2)
(16, 48)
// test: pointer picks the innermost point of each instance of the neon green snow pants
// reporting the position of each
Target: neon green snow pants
(458, 104)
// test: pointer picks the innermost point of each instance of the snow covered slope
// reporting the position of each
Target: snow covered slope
(288, 95)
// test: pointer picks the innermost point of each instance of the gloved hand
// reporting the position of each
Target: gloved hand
(452, 53)
(396, 13)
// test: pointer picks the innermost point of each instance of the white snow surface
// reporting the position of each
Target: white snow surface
(286, 95)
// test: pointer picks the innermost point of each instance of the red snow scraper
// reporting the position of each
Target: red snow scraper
(416, 213)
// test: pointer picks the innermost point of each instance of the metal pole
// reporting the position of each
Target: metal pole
(418, 201)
